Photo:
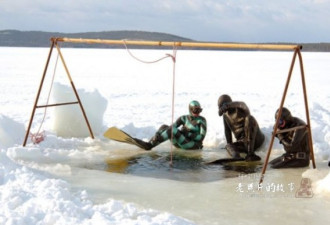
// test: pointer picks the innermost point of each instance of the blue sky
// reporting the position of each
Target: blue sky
(203, 20)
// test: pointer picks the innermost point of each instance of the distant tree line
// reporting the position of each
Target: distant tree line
(15, 38)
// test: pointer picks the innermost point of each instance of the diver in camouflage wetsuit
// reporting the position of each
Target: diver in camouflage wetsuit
(295, 142)
(188, 131)
(238, 120)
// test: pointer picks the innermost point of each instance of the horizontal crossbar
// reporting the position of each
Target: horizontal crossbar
(180, 44)
(291, 129)
(51, 105)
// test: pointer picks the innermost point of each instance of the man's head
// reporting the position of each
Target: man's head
(222, 101)
(285, 117)
(195, 108)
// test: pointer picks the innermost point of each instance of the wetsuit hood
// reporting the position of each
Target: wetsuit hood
(285, 118)
(195, 108)
(224, 99)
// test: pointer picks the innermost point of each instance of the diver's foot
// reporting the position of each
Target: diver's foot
(252, 157)
(143, 144)
(238, 157)
(233, 151)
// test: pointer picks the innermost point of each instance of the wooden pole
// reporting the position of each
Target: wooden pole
(58, 104)
(278, 116)
(291, 129)
(310, 141)
(179, 44)
(75, 90)
(38, 94)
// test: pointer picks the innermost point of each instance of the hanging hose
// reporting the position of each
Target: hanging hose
(173, 57)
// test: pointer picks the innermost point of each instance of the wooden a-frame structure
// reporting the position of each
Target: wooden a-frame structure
(295, 48)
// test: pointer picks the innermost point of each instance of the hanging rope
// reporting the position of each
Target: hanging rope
(38, 137)
(147, 62)
(173, 57)
(173, 98)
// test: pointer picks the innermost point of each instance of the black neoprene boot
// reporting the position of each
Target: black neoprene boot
(252, 157)
(143, 144)
(233, 151)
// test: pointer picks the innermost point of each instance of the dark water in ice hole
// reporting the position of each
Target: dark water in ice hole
(184, 167)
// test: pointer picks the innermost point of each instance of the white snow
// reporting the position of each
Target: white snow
(63, 180)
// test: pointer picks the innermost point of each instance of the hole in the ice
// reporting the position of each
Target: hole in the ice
(185, 167)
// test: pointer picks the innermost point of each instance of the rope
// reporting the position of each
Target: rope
(147, 62)
(38, 137)
(173, 57)
(173, 99)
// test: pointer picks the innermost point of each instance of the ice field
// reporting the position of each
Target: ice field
(70, 178)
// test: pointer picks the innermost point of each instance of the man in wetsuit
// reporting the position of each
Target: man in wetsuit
(238, 120)
(188, 131)
(295, 142)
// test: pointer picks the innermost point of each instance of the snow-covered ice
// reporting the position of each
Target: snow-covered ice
(64, 179)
